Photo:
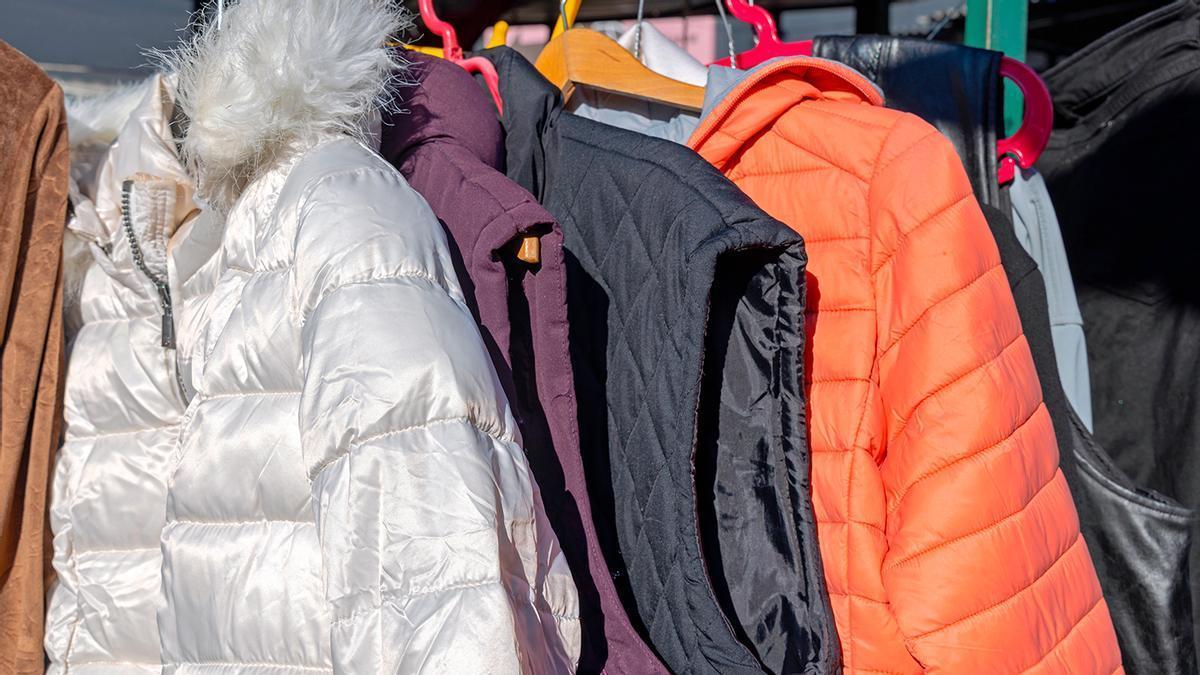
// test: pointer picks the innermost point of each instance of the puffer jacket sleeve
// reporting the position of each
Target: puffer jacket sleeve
(985, 570)
(436, 551)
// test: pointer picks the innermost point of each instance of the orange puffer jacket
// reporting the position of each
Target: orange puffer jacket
(948, 536)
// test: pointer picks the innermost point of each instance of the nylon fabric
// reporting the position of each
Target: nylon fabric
(922, 391)
(378, 512)
(449, 145)
(684, 302)
(122, 406)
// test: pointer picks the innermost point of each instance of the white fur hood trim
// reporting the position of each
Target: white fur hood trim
(277, 76)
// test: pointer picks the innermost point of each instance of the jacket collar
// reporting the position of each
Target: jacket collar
(768, 92)
(532, 106)
(442, 103)
(277, 78)
(133, 126)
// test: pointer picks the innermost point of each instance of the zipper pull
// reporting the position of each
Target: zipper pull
(168, 328)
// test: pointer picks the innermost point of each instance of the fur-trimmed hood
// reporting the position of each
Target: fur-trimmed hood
(277, 76)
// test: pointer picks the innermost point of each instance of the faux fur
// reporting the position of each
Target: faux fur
(277, 75)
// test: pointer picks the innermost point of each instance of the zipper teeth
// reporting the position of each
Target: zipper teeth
(139, 259)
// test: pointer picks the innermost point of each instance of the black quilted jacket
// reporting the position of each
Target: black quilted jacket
(686, 312)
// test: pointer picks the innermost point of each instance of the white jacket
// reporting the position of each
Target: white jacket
(122, 404)
(350, 493)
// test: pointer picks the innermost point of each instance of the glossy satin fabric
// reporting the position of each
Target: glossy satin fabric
(949, 538)
(122, 407)
(349, 493)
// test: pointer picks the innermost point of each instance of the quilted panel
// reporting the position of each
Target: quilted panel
(950, 541)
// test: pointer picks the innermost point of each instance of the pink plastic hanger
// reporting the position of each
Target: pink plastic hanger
(1021, 149)
(451, 51)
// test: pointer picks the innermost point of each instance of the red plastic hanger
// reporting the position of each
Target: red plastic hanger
(451, 51)
(769, 45)
(1025, 146)
(1021, 149)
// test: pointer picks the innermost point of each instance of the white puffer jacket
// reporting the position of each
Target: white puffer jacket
(122, 404)
(350, 493)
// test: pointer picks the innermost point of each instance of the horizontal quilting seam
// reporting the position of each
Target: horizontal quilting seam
(808, 151)
(1070, 631)
(121, 549)
(934, 304)
(254, 271)
(768, 173)
(974, 533)
(859, 523)
(372, 278)
(462, 419)
(824, 110)
(467, 419)
(1011, 598)
(856, 596)
(99, 662)
(121, 319)
(809, 241)
(238, 523)
(826, 310)
(905, 236)
(251, 664)
(975, 368)
(390, 596)
(968, 455)
(247, 394)
(835, 380)
(123, 432)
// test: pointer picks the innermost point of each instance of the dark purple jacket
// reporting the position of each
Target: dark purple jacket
(449, 145)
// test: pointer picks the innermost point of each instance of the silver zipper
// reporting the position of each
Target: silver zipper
(160, 285)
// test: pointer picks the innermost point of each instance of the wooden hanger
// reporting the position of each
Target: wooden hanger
(581, 57)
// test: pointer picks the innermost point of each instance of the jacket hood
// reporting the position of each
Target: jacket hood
(277, 76)
(766, 93)
(457, 113)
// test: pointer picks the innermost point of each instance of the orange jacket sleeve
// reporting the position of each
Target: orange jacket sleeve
(986, 570)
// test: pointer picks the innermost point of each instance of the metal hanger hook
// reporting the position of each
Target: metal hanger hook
(220, 13)
(728, 32)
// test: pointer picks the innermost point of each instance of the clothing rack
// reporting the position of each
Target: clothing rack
(1001, 25)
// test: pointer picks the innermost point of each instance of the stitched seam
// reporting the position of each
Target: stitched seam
(926, 311)
(775, 131)
(975, 453)
(238, 523)
(203, 398)
(1074, 627)
(1061, 557)
(823, 240)
(933, 133)
(955, 380)
(127, 432)
(905, 237)
(130, 549)
(1024, 508)
(251, 664)
(834, 380)
(120, 319)
(469, 421)
(370, 278)
(870, 125)
(427, 590)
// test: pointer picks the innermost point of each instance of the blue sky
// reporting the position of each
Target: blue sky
(108, 34)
